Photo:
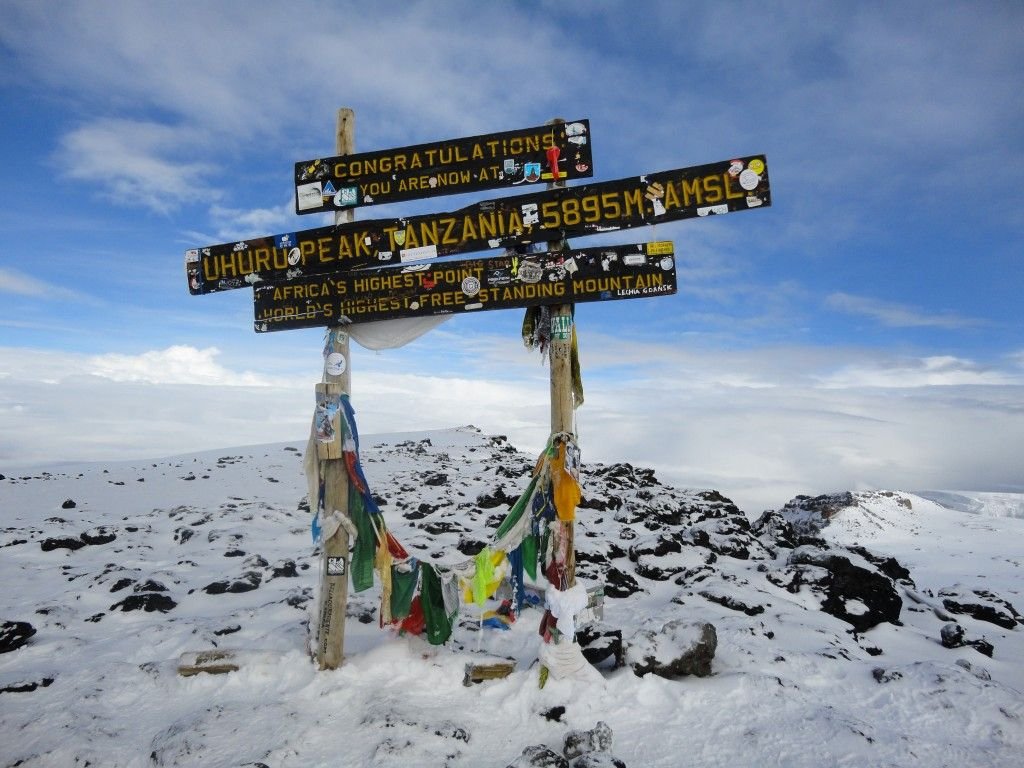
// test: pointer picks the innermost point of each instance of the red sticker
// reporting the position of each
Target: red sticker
(553, 153)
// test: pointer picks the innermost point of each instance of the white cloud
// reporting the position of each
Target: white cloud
(137, 162)
(12, 281)
(179, 364)
(907, 373)
(760, 426)
(896, 315)
(238, 224)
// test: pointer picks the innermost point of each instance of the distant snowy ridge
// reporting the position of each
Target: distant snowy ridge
(978, 502)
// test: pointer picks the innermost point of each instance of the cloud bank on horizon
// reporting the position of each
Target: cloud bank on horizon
(863, 332)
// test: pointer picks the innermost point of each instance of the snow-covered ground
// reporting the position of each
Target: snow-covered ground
(214, 551)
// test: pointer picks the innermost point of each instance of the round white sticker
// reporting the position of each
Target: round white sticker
(749, 180)
(471, 286)
(335, 364)
(293, 256)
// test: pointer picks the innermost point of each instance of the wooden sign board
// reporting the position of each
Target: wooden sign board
(470, 285)
(556, 152)
(655, 198)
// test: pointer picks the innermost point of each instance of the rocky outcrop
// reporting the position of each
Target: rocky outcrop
(676, 649)
(856, 593)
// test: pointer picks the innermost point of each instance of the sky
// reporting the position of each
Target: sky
(863, 332)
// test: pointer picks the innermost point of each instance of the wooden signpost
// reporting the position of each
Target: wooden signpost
(510, 159)
(386, 269)
(337, 378)
(549, 215)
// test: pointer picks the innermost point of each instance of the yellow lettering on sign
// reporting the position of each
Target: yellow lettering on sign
(671, 196)
(448, 237)
(713, 187)
(344, 247)
(729, 181)
(691, 190)
(261, 259)
(429, 233)
(323, 249)
(488, 224)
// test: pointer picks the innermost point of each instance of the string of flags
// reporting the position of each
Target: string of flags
(425, 598)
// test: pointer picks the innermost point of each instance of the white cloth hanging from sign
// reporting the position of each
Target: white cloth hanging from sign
(565, 660)
(564, 605)
(391, 334)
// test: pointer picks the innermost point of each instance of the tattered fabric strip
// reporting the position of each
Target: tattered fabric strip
(420, 597)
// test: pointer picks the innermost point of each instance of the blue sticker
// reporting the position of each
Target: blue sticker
(531, 171)
(347, 196)
(285, 241)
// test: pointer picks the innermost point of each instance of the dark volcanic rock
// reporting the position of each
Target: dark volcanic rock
(65, 542)
(285, 570)
(730, 602)
(658, 545)
(597, 739)
(299, 599)
(601, 645)
(619, 584)
(27, 687)
(623, 476)
(120, 584)
(497, 499)
(435, 479)
(982, 605)
(600, 505)
(882, 675)
(775, 528)
(952, 635)
(437, 527)
(101, 535)
(679, 648)
(809, 515)
(982, 646)
(649, 553)
(421, 511)
(539, 756)
(181, 535)
(470, 547)
(596, 760)
(68, 504)
(727, 536)
(150, 586)
(14, 634)
(858, 596)
(890, 566)
(247, 582)
(147, 601)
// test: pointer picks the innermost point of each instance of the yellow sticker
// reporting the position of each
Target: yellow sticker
(757, 166)
(660, 248)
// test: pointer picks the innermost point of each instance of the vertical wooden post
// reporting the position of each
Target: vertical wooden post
(560, 359)
(337, 381)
